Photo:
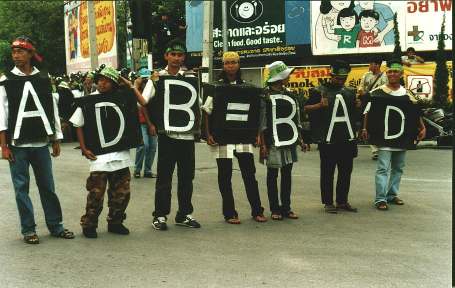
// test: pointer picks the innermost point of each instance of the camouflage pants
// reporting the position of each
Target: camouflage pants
(118, 195)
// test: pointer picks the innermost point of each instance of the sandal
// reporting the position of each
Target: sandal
(233, 220)
(31, 239)
(276, 216)
(382, 206)
(65, 234)
(260, 218)
(290, 215)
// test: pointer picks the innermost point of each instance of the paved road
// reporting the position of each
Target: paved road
(408, 246)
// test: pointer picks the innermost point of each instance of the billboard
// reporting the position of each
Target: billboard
(77, 37)
(256, 28)
(348, 27)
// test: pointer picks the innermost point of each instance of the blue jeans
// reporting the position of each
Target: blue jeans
(145, 154)
(40, 160)
(389, 163)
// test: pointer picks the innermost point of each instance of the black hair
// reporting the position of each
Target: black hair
(411, 49)
(369, 13)
(326, 6)
(394, 60)
(175, 42)
(377, 60)
(347, 12)
(33, 61)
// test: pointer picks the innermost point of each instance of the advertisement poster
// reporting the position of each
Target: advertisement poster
(256, 28)
(77, 37)
(351, 27)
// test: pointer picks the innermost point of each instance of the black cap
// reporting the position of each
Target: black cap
(340, 68)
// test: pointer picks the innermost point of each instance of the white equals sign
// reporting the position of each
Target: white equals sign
(237, 112)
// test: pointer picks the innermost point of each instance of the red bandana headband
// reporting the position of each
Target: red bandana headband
(27, 46)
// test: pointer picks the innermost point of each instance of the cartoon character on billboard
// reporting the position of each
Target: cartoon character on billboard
(326, 22)
(367, 36)
(385, 21)
(347, 34)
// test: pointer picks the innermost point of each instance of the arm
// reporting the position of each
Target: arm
(422, 130)
(6, 152)
(364, 133)
(380, 36)
(210, 140)
(150, 125)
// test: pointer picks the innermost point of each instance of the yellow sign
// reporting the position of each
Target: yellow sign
(105, 27)
(305, 77)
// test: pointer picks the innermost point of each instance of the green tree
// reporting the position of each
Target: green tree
(441, 74)
(42, 21)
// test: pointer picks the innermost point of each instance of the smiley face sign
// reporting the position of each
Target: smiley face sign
(246, 11)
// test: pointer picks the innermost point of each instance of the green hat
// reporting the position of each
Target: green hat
(110, 73)
(175, 46)
(163, 10)
(278, 71)
(395, 64)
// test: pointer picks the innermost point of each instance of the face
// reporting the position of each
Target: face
(21, 57)
(231, 67)
(366, 5)
(246, 10)
(394, 76)
(347, 22)
(338, 5)
(105, 85)
(374, 67)
(411, 54)
(175, 59)
(368, 23)
(338, 80)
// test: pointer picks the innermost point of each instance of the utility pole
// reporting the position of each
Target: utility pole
(224, 21)
(207, 48)
(92, 35)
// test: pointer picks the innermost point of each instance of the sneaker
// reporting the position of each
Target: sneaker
(149, 175)
(159, 223)
(187, 221)
(374, 157)
(330, 209)
(118, 229)
(137, 175)
(396, 201)
(90, 232)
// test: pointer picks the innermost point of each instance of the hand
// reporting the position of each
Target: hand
(124, 82)
(211, 140)
(7, 154)
(364, 134)
(379, 38)
(258, 142)
(88, 154)
(303, 146)
(55, 149)
(422, 134)
(152, 129)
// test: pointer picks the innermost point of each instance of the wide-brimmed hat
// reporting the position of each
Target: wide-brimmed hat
(278, 71)
(109, 73)
(144, 72)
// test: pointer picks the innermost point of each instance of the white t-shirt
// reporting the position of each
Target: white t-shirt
(107, 162)
(4, 112)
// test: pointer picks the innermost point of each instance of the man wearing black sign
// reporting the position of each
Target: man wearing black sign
(391, 156)
(29, 120)
(175, 148)
(332, 110)
(105, 168)
(224, 154)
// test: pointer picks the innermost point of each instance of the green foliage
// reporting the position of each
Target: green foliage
(42, 21)
(441, 73)
(397, 50)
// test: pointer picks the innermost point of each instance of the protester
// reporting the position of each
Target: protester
(225, 153)
(411, 57)
(371, 80)
(391, 160)
(175, 149)
(145, 154)
(111, 168)
(341, 153)
(27, 144)
(279, 158)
